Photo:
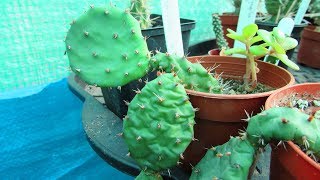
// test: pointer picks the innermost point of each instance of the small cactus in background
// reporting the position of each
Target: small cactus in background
(140, 10)
(237, 5)
(218, 31)
(314, 9)
(279, 9)
(233, 159)
(103, 55)
(159, 124)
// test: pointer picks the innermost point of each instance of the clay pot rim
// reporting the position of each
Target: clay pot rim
(292, 144)
(240, 96)
(269, 104)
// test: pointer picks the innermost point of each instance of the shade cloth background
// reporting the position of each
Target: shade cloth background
(32, 33)
(42, 138)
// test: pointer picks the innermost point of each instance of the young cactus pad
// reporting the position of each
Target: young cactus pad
(284, 124)
(192, 76)
(105, 47)
(231, 160)
(159, 124)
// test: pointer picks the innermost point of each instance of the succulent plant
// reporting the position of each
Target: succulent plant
(218, 31)
(159, 124)
(278, 42)
(279, 9)
(314, 9)
(233, 159)
(140, 10)
(192, 75)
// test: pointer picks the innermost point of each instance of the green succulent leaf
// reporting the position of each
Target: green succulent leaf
(279, 35)
(277, 47)
(255, 39)
(289, 43)
(249, 31)
(265, 35)
(235, 51)
(258, 50)
(233, 35)
(284, 58)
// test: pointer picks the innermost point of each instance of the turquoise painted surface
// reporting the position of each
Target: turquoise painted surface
(32, 33)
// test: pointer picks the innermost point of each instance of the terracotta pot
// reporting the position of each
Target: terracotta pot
(214, 52)
(229, 21)
(292, 163)
(309, 51)
(220, 115)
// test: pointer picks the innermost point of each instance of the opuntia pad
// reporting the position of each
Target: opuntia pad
(192, 75)
(159, 124)
(105, 47)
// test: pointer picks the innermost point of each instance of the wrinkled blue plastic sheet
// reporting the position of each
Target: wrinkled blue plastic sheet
(41, 137)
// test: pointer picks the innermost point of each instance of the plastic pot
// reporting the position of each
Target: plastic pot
(309, 51)
(292, 163)
(229, 21)
(220, 115)
(114, 98)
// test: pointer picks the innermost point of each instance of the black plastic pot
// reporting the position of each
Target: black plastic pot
(202, 48)
(114, 98)
(296, 33)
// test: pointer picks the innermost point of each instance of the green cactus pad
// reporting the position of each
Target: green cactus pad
(284, 124)
(192, 76)
(105, 47)
(231, 160)
(159, 124)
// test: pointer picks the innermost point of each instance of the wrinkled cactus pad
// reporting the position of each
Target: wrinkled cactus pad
(105, 47)
(192, 75)
(159, 124)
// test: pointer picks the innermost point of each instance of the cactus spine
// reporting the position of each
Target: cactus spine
(218, 31)
(141, 11)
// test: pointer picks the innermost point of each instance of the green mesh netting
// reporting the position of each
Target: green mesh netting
(32, 33)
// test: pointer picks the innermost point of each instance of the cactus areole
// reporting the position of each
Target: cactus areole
(105, 47)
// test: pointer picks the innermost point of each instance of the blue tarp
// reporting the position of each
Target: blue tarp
(41, 136)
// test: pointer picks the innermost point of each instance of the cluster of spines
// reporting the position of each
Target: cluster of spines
(218, 31)
(141, 11)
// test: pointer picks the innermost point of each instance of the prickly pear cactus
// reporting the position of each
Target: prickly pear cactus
(284, 124)
(231, 160)
(140, 9)
(145, 175)
(105, 47)
(192, 76)
(159, 124)
(218, 31)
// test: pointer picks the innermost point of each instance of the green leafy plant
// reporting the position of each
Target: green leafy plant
(314, 9)
(237, 5)
(275, 44)
(278, 9)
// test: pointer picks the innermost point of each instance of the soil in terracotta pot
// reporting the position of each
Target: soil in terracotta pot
(234, 87)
